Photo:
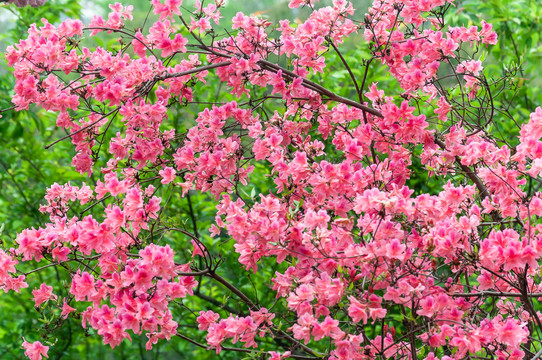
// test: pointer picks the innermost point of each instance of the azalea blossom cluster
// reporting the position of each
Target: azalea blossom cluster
(370, 269)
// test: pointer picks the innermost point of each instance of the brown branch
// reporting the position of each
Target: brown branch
(234, 290)
(82, 129)
(254, 307)
(347, 67)
(320, 89)
(267, 65)
(467, 170)
(7, 109)
(192, 341)
(494, 293)
(194, 70)
(122, 32)
(215, 302)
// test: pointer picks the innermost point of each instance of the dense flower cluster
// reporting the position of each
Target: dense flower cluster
(372, 270)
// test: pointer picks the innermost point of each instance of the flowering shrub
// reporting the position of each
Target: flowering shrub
(369, 268)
